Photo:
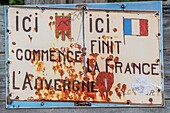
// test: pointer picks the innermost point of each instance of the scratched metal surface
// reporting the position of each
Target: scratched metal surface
(166, 29)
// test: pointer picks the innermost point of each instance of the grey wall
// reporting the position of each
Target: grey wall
(166, 31)
(62, 1)
(72, 1)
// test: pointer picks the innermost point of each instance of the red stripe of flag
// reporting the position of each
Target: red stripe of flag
(143, 27)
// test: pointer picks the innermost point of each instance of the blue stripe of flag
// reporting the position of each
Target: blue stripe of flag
(127, 26)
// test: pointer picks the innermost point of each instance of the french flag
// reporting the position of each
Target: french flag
(135, 27)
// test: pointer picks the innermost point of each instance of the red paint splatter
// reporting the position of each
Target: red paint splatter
(100, 82)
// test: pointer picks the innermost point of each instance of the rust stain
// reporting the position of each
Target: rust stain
(110, 57)
(34, 29)
(12, 51)
(71, 45)
(31, 77)
(40, 67)
(35, 60)
(124, 87)
(50, 25)
(30, 98)
(13, 43)
(86, 78)
(90, 95)
(116, 59)
(62, 68)
(115, 36)
(30, 38)
(112, 67)
(120, 90)
(80, 75)
(157, 60)
(10, 32)
(110, 93)
(51, 17)
(78, 46)
(61, 71)
(117, 90)
(91, 63)
(106, 37)
(71, 39)
(94, 56)
(55, 68)
(102, 58)
(53, 23)
(81, 59)
(17, 98)
(32, 61)
(115, 30)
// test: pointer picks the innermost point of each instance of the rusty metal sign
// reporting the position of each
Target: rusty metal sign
(83, 56)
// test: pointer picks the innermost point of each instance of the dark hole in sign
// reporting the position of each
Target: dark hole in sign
(82, 104)
(159, 90)
(128, 102)
(122, 6)
(150, 100)
(42, 103)
(17, 98)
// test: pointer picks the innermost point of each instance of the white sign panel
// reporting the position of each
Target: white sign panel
(123, 56)
(117, 60)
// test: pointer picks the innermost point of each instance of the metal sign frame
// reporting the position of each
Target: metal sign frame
(124, 6)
